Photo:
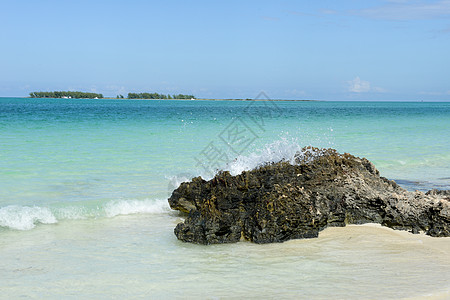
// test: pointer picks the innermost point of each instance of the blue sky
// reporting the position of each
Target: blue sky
(327, 50)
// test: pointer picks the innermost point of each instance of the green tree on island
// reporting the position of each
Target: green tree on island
(66, 94)
(158, 96)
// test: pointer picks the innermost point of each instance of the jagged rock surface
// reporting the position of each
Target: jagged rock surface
(283, 201)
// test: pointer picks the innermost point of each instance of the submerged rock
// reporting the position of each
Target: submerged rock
(282, 201)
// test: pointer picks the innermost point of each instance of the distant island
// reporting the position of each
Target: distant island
(134, 96)
(158, 96)
(66, 95)
(83, 95)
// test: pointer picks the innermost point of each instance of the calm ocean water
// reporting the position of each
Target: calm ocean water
(84, 187)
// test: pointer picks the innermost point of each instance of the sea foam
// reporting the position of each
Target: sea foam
(128, 207)
(27, 217)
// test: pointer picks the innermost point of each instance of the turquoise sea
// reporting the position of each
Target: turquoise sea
(84, 187)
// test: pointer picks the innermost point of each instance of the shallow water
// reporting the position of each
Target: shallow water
(84, 187)
(138, 256)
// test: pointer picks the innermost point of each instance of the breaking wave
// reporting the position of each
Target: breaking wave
(27, 217)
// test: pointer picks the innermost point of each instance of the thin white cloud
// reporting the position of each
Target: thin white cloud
(272, 19)
(357, 85)
(329, 11)
(408, 10)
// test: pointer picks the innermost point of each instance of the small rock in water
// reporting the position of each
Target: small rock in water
(280, 201)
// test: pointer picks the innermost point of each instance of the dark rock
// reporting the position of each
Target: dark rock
(278, 202)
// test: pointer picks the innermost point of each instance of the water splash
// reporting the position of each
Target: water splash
(281, 150)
